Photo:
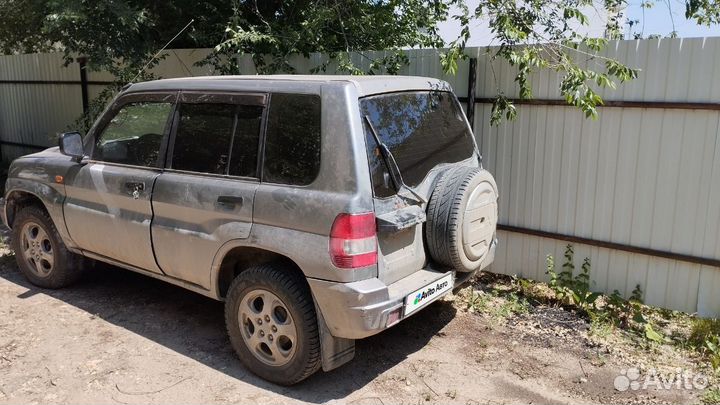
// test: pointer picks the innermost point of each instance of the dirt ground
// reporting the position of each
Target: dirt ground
(120, 337)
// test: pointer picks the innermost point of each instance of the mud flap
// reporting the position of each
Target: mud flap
(334, 351)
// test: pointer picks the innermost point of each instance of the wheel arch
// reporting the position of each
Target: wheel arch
(236, 256)
(16, 200)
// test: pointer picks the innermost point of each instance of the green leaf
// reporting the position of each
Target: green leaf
(593, 297)
(650, 334)
(639, 318)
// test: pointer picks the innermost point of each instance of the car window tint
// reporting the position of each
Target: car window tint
(422, 129)
(292, 145)
(243, 160)
(202, 141)
(134, 135)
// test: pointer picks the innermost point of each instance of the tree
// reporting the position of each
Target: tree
(116, 36)
(272, 31)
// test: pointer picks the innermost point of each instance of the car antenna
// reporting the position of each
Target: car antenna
(160, 51)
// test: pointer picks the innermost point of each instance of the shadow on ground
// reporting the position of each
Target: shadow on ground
(193, 326)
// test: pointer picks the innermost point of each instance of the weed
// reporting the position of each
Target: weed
(702, 330)
(711, 396)
(572, 289)
(705, 338)
(512, 305)
(498, 304)
(600, 324)
(477, 302)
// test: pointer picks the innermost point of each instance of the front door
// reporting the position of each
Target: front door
(108, 207)
(205, 196)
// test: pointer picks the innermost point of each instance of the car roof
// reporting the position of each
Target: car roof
(365, 85)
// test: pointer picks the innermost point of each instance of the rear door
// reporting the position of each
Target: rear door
(205, 196)
(423, 130)
(107, 209)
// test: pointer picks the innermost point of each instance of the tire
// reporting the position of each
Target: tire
(41, 253)
(464, 197)
(284, 359)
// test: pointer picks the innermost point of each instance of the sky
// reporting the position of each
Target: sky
(657, 20)
(660, 18)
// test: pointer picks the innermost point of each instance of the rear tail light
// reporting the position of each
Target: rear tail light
(352, 241)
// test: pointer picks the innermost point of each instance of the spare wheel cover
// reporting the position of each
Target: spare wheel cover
(462, 218)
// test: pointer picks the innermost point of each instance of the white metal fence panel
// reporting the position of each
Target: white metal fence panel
(31, 111)
(644, 177)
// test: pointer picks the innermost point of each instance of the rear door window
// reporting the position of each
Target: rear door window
(292, 139)
(244, 156)
(202, 140)
(217, 139)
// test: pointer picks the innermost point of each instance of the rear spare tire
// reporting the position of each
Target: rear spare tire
(462, 218)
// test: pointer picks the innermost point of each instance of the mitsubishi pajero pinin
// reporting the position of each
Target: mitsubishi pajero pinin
(321, 209)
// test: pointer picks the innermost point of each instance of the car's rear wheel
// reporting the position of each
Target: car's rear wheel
(41, 254)
(272, 324)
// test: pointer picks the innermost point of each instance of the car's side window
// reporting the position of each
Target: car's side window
(202, 140)
(134, 135)
(244, 157)
(292, 139)
(217, 138)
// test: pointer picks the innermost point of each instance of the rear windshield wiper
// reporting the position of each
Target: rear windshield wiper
(391, 163)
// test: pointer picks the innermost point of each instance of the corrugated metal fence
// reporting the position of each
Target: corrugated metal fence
(637, 191)
(645, 176)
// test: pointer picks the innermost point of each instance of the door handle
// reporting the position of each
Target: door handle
(135, 185)
(230, 200)
(134, 188)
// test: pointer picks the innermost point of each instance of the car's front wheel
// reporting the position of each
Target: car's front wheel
(272, 324)
(40, 252)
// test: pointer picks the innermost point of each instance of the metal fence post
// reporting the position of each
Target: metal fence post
(472, 78)
(82, 61)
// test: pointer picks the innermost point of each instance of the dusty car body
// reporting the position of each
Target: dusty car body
(322, 209)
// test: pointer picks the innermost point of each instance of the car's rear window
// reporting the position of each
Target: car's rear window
(421, 128)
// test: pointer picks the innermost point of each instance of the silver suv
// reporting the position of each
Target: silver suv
(321, 209)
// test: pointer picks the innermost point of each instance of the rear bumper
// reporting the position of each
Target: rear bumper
(362, 308)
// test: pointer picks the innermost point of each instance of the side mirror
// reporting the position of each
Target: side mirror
(71, 144)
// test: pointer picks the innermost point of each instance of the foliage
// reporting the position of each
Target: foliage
(273, 31)
(702, 329)
(498, 304)
(704, 12)
(574, 290)
(568, 288)
(711, 396)
(116, 36)
(537, 34)
(705, 337)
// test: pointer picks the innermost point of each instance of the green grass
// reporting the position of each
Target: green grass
(711, 396)
(702, 330)
(496, 304)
